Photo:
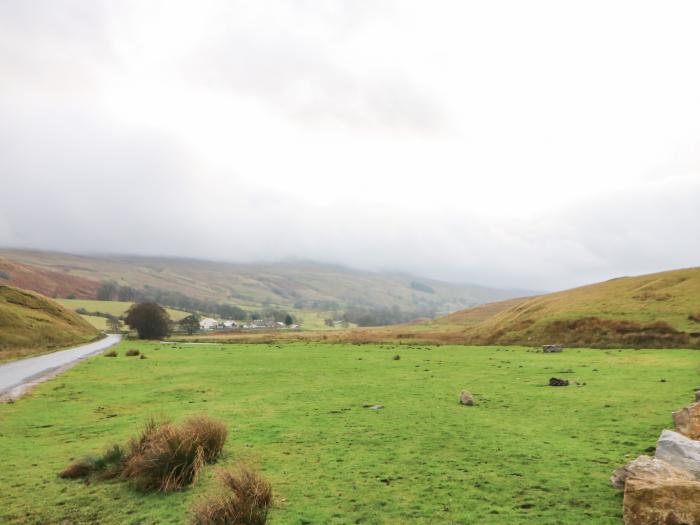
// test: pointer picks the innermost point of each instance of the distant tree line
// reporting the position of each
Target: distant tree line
(382, 316)
(111, 291)
(421, 287)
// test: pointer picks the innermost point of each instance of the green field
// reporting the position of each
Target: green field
(527, 453)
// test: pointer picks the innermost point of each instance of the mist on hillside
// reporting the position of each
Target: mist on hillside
(467, 143)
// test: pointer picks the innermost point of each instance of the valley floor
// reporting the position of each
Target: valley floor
(527, 453)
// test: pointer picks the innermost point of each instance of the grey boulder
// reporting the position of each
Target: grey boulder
(679, 451)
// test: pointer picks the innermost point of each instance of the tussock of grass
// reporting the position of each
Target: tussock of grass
(78, 469)
(165, 457)
(245, 498)
(168, 457)
(131, 352)
(111, 353)
(107, 466)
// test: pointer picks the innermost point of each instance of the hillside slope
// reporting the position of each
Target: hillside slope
(47, 282)
(306, 285)
(31, 323)
(656, 310)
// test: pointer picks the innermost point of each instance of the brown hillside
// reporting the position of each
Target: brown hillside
(46, 282)
(660, 310)
(31, 323)
(655, 310)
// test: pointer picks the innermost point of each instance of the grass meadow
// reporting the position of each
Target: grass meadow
(527, 453)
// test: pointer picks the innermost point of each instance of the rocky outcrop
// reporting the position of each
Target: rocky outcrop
(665, 489)
(679, 451)
(646, 466)
(687, 421)
(653, 500)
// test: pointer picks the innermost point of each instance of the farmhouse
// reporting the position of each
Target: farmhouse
(207, 323)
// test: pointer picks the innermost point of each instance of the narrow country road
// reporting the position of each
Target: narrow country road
(15, 374)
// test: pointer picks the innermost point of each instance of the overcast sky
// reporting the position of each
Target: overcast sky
(521, 144)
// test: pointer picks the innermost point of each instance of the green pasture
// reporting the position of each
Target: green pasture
(527, 453)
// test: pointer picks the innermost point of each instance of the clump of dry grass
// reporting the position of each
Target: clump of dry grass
(694, 317)
(168, 457)
(209, 433)
(131, 352)
(245, 498)
(164, 457)
(111, 353)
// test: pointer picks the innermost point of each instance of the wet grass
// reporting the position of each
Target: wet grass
(526, 453)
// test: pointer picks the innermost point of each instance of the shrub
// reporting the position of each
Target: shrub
(167, 457)
(164, 457)
(132, 352)
(245, 499)
(111, 353)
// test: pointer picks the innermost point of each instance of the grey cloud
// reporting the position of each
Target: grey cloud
(74, 178)
(132, 192)
(294, 74)
(53, 46)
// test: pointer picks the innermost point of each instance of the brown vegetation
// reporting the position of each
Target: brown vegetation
(31, 323)
(592, 331)
(245, 499)
(47, 282)
(168, 457)
(165, 457)
(131, 352)
(78, 469)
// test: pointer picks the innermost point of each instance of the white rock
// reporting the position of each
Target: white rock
(679, 451)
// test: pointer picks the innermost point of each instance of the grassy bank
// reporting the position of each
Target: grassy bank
(527, 453)
(32, 324)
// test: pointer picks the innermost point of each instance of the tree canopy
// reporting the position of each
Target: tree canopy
(150, 320)
(190, 323)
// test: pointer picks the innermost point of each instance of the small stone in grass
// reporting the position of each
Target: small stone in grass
(465, 398)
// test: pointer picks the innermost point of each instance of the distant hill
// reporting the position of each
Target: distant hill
(303, 285)
(31, 323)
(656, 310)
(46, 282)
